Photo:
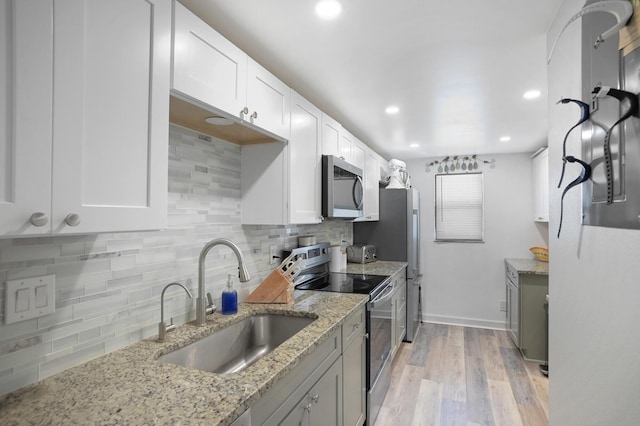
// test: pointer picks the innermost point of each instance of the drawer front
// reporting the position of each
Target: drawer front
(353, 327)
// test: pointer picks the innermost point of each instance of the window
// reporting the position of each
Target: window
(460, 207)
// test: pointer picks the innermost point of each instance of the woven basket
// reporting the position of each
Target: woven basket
(540, 253)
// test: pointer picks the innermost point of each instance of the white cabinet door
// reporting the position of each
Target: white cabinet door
(358, 153)
(345, 146)
(284, 177)
(206, 66)
(331, 131)
(25, 116)
(371, 187)
(268, 100)
(304, 161)
(263, 184)
(540, 167)
(111, 104)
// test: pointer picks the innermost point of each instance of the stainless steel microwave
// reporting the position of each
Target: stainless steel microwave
(342, 188)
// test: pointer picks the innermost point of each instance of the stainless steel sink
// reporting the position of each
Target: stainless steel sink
(236, 347)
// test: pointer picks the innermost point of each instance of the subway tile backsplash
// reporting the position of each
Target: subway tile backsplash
(108, 285)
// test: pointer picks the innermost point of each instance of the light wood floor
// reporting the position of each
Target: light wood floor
(454, 375)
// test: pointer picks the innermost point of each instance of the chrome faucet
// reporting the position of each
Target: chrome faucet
(163, 328)
(201, 308)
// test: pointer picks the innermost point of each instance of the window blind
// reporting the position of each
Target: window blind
(459, 207)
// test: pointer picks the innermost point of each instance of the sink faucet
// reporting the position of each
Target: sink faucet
(243, 273)
(163, 328)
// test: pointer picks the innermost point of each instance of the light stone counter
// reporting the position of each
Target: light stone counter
(529, 266)
(129, 386)
(380, 267)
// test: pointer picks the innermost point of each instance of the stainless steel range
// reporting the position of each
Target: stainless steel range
(316, 276)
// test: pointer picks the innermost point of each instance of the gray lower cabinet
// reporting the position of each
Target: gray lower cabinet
(322, 405)
(526, 316)
(354, 370)
(316, 391)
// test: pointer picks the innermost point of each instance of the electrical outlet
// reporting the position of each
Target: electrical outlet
(503, 306)
(273, 255)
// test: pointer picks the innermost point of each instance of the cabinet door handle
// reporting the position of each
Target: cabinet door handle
(243, 112)
(254, 115)
(72, 219)
(39, 219)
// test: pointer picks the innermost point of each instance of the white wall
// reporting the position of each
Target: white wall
(464, 283)
(594, 280)
(108, 285)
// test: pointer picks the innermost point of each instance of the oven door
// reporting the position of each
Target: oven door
(379, 360)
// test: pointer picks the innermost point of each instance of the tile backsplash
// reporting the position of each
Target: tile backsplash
(108, 285)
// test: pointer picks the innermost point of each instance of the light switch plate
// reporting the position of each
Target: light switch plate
(28, 298)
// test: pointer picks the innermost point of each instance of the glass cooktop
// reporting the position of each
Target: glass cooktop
(344, 283)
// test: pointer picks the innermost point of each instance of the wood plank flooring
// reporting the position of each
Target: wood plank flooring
(456, 376)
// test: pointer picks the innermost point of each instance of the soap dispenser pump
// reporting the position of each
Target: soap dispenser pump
(229, 298)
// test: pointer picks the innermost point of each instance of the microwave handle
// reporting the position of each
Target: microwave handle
(358, 203)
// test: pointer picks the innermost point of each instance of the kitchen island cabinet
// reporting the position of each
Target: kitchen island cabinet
(527, 285)
(92, 158)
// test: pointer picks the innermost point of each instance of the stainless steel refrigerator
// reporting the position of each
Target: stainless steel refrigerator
(397, 237)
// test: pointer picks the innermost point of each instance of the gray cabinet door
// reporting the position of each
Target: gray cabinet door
(354, 382)
(326, 398)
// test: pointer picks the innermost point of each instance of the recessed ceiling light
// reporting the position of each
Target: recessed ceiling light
(392, 109)
(505, 139)
(532, 94)
(414, 145)
(328, 9)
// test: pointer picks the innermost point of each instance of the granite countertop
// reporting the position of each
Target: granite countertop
(380, 267)
(529, 266)
(129, 386)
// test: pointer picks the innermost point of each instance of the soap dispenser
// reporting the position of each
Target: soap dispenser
(229, 298)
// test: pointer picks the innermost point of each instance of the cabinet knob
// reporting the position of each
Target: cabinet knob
(254, 115)
(39, 219)
(72, 219)
(243, 112)
(315, 399)
(308, 407)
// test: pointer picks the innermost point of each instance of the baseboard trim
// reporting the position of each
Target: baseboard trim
(465, 322)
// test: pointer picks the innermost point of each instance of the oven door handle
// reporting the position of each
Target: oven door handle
(382, 297)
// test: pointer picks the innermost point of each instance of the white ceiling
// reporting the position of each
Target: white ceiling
(457, 70)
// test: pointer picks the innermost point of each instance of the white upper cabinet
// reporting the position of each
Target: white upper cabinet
(104, 166)
(26, 92)
(211, 72)
(281, 182)
(268, 101)
(331, 131)
(540, 168)
(371, 187)
(358, 153)
(345, 145)
(304, 150)
(206, 66)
